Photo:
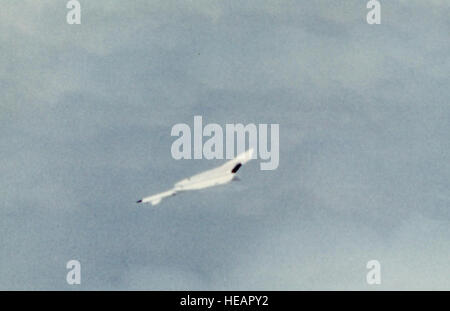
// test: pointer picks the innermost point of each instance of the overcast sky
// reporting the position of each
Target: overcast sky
(85, 118)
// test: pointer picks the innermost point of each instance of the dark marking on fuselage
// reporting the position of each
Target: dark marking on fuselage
(236, 168)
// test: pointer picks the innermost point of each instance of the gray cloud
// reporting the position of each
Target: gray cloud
(86, 113)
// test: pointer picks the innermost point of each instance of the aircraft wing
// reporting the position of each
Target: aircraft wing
(156, 199)
(216, 176)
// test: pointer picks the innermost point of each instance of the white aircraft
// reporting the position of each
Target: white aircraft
(217, 176)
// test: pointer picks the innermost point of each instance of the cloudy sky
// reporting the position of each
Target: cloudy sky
(85, 118)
